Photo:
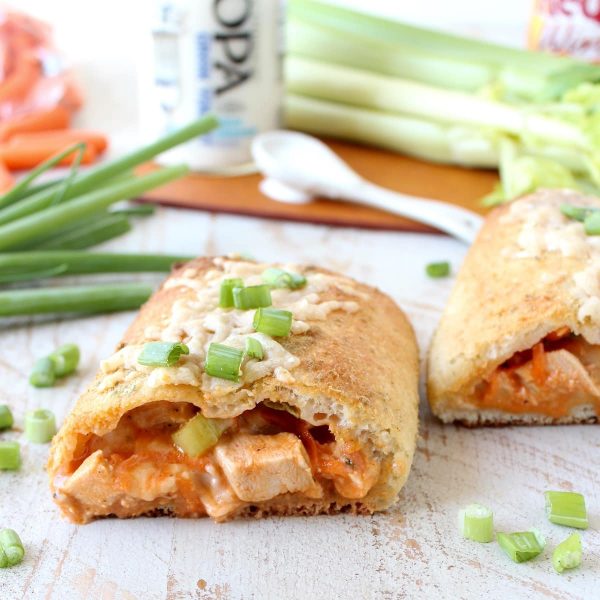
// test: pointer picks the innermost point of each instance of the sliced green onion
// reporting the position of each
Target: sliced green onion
(11, 544)
(253, 296)
(591, 223)
(65, 359)
(521, 546)
(567, 555)
(438, 269)
(477, 523)
(199, 434)
(6, 417)
(10, 456)
(576, 213)
(40, 426)
(279, 278)
(226, 291)
(43, 374)
(273, 321)
(224, 362)
(254, 348)
(566, 508)
(162, 354)
(76, 299)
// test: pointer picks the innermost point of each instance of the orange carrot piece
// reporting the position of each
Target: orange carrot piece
(7, 181)
(62, 136)
(28, 155)
(538, 363)
(554, 336)
(42, 120)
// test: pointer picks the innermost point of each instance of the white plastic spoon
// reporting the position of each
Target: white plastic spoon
(299, 167)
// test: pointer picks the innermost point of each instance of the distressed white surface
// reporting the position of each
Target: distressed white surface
(414, 551)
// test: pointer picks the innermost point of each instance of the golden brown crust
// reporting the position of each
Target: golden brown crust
(365, 362)
(501, 303)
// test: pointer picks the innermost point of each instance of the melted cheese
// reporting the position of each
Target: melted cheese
(198, 321)
(545, 229)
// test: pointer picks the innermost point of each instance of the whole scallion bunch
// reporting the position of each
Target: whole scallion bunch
(44, 229)
(443, 98)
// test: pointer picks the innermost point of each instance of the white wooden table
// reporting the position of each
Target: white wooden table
(413, 551)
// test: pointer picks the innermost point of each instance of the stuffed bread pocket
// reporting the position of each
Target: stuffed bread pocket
(519, 341)
(313, 412)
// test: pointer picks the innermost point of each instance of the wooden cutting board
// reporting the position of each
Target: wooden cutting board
(241, 195)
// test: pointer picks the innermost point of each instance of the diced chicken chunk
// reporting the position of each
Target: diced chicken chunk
(93, 482)
(260, 467)
(566, 376)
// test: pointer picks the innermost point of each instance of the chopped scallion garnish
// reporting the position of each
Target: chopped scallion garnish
(40, 426)
(521, 546)
(12, 548)
(477, 523)
(566, 508)
(226, 291)
(567, 555)
(224, 362)
(65, 359)
(61, 362)
(43, 374)
(10, 456)
(576, 213)
(438, 269)
(6, 418)
(253, 296)
(254, 348)
(199, 434)
(162, 354)
(591, 224)
(279, 278)
(273, 321)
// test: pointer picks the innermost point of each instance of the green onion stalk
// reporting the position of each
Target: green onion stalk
(76, 299)
(20, 266)
(95, 177)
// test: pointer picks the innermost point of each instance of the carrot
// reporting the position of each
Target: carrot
(21, 81)
(554, 336)
(28, 155)
(66, 137)
(538, 363)
(42, 120)
(6, 179)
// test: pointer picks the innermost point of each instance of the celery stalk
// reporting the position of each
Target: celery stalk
(416, 137)
(380, 56)
(199, 434)
(350, 21)
(345, 85)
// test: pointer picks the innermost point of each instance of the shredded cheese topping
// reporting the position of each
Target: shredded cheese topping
(198, 321)
(545, 229)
